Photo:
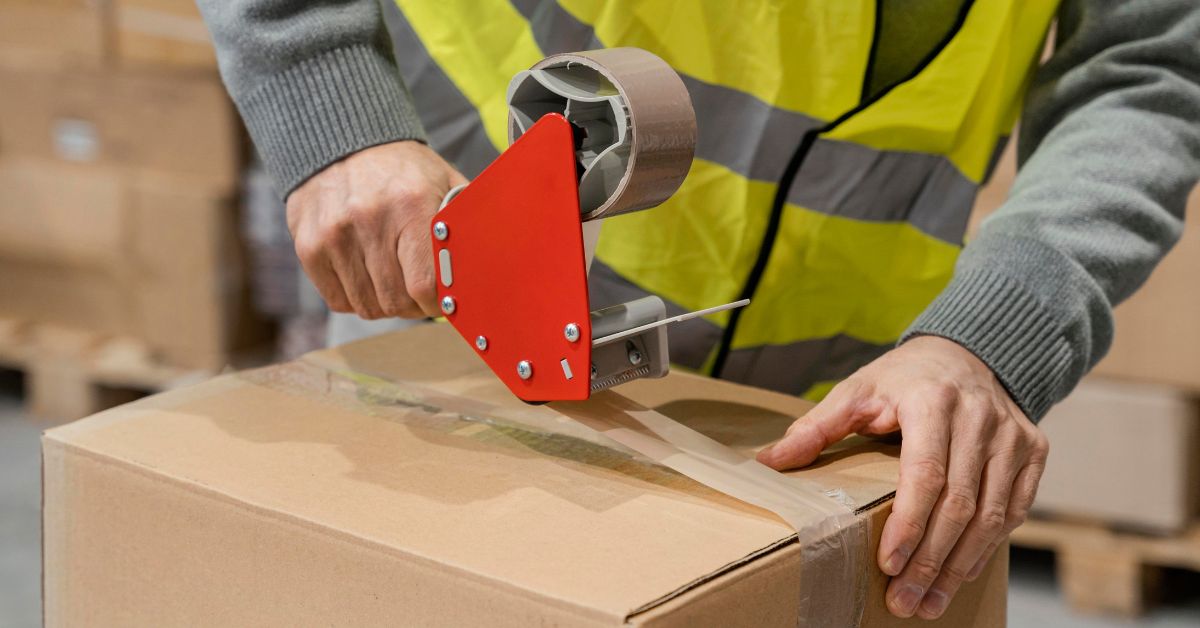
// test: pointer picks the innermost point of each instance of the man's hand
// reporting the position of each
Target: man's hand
(969, 464)
(361, 228)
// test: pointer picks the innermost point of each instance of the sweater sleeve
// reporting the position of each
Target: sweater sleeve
(313, 81)
(1109, 150)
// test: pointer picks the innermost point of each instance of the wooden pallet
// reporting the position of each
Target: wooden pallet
(71, 373)
(1101, 570)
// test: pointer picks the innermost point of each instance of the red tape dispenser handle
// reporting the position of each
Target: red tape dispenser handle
(510, 266)
(593, 134)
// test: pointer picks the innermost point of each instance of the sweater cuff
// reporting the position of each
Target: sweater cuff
(995, 317)
(326, 108)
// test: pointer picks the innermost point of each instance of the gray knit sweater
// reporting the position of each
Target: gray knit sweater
(1109, 148)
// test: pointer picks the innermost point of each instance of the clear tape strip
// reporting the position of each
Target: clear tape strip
(833, 542)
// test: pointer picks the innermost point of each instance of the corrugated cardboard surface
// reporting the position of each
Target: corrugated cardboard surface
(318, 492)
(1094, 471)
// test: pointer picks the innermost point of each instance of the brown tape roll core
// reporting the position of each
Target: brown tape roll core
(653, 125)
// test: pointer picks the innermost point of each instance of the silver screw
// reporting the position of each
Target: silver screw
(440, 230)
(635, 357)
(571, 331)
(448, 305)
(524, 369)
(481, 343)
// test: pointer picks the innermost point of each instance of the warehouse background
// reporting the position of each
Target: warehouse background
(141, 248)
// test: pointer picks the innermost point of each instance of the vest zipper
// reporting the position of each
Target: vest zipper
(793, 168)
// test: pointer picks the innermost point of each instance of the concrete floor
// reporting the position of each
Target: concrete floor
(1033, 601)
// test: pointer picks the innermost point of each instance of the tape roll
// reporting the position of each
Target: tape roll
(635, 126)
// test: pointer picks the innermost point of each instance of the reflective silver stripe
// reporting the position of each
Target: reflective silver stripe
(755, 139)
(855, 181)
(794, 368)
(451, 122)
(737, 130)
(690, 341)
(555, 29)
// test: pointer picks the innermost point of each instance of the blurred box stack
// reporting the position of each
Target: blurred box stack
(120, 166)
(1120, 498)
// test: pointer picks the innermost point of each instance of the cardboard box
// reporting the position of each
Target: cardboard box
(54, 32)
(71, 216)
(151, 258)
(1126, 454)
(1157, 337)
(334, 490)
(167, 33)
(145, 122)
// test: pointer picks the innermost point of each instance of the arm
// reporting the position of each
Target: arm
(318, 89)
(1110, 148)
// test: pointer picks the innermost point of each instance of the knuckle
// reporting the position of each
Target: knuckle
(952, 575)
(366, 216)
(852, 386)
(405, 194)
(1016, 517)
(926, 567)
(333, 233)
(1041, 446)
(991, 521)
(912, 529)
(930, 472)
(423, 289)
(959, 507)
(307, 250)
(943, 394)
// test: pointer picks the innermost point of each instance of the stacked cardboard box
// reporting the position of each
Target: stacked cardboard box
(350, 488)
(1126, 445)
(120, 155)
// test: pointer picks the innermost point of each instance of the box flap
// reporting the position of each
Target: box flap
(531, 502)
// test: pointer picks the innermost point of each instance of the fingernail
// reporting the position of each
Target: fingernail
(935, 603)
(907, 598)
(895, 563)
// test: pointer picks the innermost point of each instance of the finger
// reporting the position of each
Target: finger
(387, 278)
(980, 535)
(952, 512)
(356, 282)
(320, 271)
(1024, 491)
(827, 423)
(415, 253)
(923, 454)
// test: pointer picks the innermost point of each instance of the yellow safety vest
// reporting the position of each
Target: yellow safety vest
(840, 214)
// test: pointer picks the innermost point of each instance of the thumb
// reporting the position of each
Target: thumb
(827, 423)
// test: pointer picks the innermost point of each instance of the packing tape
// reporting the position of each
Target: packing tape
(833, 542)
(636, 128)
